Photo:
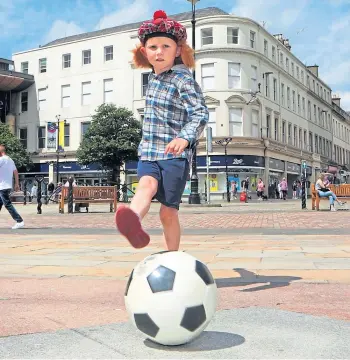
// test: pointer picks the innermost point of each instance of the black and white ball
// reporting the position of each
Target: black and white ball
(171, 297)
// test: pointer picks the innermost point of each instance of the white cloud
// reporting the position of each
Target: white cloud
(337, 74)
(137, 11)
(60, 29)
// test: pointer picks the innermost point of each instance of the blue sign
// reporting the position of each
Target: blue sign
(70, 166)
(232, 161)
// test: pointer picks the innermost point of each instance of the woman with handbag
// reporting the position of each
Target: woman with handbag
(323, 191)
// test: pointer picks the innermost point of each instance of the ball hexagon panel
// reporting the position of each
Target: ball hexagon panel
(145, 324)
(204, 273)
(193, 318)
(161, 279)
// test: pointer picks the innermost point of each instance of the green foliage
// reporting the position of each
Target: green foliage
(111, 139)
(14, 149)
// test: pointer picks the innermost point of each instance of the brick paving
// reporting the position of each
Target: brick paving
(51, 280)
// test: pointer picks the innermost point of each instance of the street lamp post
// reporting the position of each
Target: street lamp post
(58, 117)
(224, 143)
(194, 197)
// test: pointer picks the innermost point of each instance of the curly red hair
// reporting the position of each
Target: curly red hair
(186, 57)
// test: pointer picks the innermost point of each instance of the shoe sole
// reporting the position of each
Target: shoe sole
(129, 225)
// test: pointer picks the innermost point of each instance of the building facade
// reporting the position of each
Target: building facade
(277, 111)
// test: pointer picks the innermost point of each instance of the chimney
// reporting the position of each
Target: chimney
(336, 100)
(313, 69)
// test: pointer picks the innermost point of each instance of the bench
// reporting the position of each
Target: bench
(341, 191)
(85, 195)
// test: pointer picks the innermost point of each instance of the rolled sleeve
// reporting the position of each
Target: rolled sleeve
(197, 111)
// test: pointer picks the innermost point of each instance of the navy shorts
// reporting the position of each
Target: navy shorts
(171, 174)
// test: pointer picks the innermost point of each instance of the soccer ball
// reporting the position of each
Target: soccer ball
(171, 297)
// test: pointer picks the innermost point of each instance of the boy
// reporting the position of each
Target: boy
(7, 170)
(175, 116)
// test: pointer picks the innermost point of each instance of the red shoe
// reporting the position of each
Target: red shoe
(129, 225)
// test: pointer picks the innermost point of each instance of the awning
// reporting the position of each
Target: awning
(15, 81)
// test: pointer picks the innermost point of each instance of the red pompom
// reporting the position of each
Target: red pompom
(159, 14)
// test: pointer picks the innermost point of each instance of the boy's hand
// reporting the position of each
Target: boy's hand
(176, 146)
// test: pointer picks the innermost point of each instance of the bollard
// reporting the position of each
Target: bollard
(25, 192)
(303, 192)
(70, 195)
(39, 180)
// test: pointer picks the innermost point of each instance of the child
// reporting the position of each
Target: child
(174, 117)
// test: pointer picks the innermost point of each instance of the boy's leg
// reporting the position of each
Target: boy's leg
(5, 199)
(128, 219)
(171, 227)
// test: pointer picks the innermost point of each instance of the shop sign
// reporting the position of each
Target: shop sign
(294, 168)
(276, 164)
(232, 161)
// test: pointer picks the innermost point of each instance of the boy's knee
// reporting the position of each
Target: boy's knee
(167, 214)
(148, 184)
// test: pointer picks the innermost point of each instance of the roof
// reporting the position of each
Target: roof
(200, 13)
(15, 81)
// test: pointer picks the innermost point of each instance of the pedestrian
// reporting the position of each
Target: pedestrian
(234, 189)
(174, 118)
(284, 188)
(294, 188)
(7, 171)
(260, 189)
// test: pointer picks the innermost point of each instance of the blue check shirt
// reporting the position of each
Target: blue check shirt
(175, 108)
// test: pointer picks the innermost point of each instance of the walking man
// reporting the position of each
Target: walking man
(7, 170)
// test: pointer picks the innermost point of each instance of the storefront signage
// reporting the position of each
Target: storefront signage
(232, 161)
(293, 168)
(276, 164)
(71, 166)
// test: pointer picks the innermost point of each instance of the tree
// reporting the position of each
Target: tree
(15, 149)
(111, 139)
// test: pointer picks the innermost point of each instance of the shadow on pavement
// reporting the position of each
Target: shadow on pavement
(207, 341)
(250, 278)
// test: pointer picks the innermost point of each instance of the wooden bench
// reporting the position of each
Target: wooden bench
(90, 195)
(341, 191)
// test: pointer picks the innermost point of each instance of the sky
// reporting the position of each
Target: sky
(318, 30)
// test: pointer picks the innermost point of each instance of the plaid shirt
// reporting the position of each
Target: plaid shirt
(175, 108)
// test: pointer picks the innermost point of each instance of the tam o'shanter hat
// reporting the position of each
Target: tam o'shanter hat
(161, 25)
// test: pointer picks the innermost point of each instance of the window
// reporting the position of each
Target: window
(42, 65)
(288, 97)
(108, 91)
(66, 59)
(268, 125)
(295, 136)
(308, 81)
(282, 94)
(42, 99)
(252, 39)
(86, 93)
(145, 77)
(24, 101)
(255, 123)
(212, 121)
(284, 131)
(309, 110)
(276, 129)
(266, 48)
(109, 53)
(324, 146)
(66, 135)
(23, 137)
(316, 144)
(311, 142)
(24, 67)
(290, 134)
(254, 78)
(300, 138)
(293, 99)
(234, 75)
(65, 96)
(298, 103)
(281, 60)
(41, 137)
(236, 123)
(86, 57)
(318, 89)
(298, 72)
(287, 65)
(232, 36)
(292, 69)
(84, 128)
(267, 85)
(275, 89)
(302, 76)
(207, 36)
(305, 139)
(315, 114)
(303, 102)
(273, 53)
(207, 77)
